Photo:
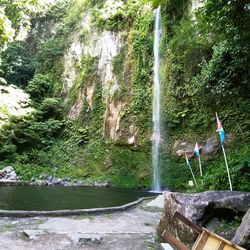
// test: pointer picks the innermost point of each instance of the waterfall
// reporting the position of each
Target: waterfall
(156, 138)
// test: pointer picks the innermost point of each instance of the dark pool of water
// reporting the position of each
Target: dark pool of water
(58, 198)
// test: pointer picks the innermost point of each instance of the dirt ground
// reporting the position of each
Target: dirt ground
(134, 229)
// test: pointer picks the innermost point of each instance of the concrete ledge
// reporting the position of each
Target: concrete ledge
(67, 212)
(14, 183)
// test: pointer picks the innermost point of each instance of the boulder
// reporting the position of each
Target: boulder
(8, 169)
(242, 236)
(8, 174)
(200, 208)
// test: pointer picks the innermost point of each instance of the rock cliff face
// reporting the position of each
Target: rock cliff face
(101, 47)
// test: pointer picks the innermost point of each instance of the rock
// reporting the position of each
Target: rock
(41, 183)
(101, 184)
(53, 181)
(131, 141)
(8, 174)
(2, 173)
(66, 179)
(85, 239)
(12, 176)
(50, 178)
(32, 179)
(242, 236)
(8, 169)
(211, 145)
(180, 148)
(66, 184)
(31, 234)
(200, 208)
(58, 181)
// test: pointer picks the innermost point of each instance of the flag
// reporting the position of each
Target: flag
(220, 129)
(196, 150)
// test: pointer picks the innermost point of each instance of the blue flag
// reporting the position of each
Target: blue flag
(220, 129)
(196, 150)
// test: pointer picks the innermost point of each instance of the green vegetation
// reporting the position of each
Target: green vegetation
(16, 66)
(205, 68)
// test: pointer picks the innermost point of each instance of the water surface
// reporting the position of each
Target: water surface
(59, 198)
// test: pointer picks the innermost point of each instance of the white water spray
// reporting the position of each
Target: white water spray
(156, 103)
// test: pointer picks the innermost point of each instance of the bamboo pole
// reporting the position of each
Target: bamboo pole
(191, 170)
(200, 166)
(225, 157)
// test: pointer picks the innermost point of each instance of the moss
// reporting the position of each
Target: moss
(86, 76)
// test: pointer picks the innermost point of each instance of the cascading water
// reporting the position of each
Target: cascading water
(156, 103)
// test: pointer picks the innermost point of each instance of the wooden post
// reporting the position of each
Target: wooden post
(191, 171)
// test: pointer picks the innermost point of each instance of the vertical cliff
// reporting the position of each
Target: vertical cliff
(98, 58)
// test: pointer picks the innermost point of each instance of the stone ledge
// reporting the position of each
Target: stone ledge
(68, 212)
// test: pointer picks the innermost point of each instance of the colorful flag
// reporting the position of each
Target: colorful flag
(220, 129)
(196, 150)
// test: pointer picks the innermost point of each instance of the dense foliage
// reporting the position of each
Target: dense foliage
(207, 70)
(17, 67)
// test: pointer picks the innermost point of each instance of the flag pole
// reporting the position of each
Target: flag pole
(225, 157)
(200, 165)
(198, 155)
(221, 132)
(191, 170)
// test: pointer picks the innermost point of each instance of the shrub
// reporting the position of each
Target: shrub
(40, 86)
(51, 107)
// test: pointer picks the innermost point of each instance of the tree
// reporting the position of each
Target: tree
(17, 67)
(6, 31)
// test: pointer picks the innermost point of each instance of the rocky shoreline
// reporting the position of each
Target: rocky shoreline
(8, 176)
